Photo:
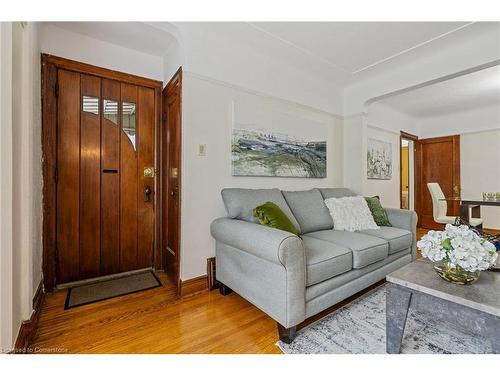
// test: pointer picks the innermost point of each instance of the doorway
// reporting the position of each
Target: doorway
(100, 171)
(407, 170)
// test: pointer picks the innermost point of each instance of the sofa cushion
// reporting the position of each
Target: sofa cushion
(399, 239)
(350, 213)
(241, 202)
(365, 249)
(336, 193)
(270, 215)
(378, 212)
(309, 209)
(325, 260)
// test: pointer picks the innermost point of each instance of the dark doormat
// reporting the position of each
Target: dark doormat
(106, 289)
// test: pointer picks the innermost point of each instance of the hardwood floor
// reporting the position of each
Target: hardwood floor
(154, 321)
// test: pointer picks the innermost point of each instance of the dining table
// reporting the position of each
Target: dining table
(474, 204)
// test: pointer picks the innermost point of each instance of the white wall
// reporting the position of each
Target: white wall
(478, 119)
(382, 116)
(21, 197)
(387, 190)
(64, 43)
(382, 123)
(354, 162)
(172, 60)
(6, 188)
(479, 166)
(207, 119)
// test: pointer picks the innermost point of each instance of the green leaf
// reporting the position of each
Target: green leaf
(447, 244)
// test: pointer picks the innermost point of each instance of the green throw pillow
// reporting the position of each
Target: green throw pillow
(270, 215)
(378, 212)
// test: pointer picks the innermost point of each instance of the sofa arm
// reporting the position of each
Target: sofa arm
(405, 219)
(265, 266)
(271, 244)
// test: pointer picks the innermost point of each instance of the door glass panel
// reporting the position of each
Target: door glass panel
(90, 105)
(111, 110)
(128, 121)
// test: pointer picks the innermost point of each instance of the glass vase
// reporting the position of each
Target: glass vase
(455, 274)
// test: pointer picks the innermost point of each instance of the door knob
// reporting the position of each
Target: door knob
(147, 193)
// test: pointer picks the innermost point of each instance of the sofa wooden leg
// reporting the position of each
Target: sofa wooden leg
(287, 335)
(224, 290)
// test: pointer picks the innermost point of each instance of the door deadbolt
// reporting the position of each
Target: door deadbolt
(147, 194)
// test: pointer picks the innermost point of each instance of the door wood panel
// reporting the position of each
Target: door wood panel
(68, 177)
(110, 182)
(438, 160)
(145, 212)
(90, 182)
(129, 191)
(105, 224)
(71, 203)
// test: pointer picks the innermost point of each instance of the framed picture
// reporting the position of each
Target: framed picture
(379, 160)
(266, 142)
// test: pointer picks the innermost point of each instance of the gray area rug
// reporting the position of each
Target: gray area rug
(359, 328)
(102, 290)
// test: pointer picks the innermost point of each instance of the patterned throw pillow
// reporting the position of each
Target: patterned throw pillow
(270, 215)
(350, 214)
(378, 212)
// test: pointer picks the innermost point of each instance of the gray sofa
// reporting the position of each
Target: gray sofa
(292, 278)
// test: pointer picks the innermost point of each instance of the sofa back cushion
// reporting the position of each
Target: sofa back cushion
(241, 202)
(309, 209)
(336, 193)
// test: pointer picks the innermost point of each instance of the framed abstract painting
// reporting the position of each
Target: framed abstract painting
(379, 160)
(269, 143)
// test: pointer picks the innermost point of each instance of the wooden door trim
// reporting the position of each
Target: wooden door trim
(49, 163)
(176, 80)
(80, 67)
(418, 180)
(49, 66)
(409, 136)
(414, 138)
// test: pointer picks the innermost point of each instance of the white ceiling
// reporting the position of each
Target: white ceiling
(356, 46)
(333, 49)
(138, 36)
(470, 91)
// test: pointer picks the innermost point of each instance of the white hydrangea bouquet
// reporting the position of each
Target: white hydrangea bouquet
(458, 252)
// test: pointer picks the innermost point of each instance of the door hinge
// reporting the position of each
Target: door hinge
(56, 174)
(56, 90)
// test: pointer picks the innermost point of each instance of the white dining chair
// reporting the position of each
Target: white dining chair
(440, 207)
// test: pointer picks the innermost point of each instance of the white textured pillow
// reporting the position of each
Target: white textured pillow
(350, 214)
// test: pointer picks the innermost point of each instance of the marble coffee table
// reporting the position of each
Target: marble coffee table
(417, 286)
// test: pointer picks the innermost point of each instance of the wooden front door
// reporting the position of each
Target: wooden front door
(105, 176)
(437, 160)
(171, 115)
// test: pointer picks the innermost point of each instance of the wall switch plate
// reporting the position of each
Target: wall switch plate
(202, 150)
